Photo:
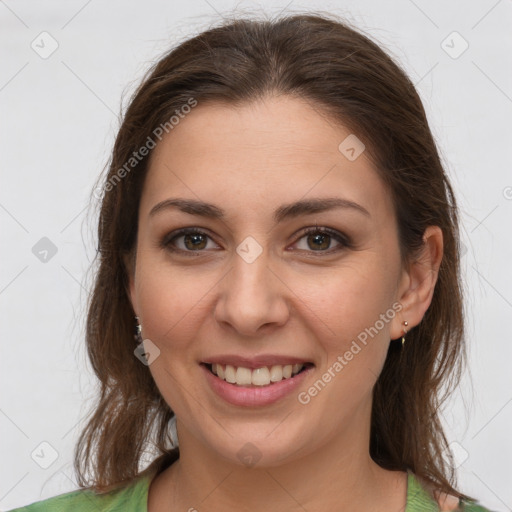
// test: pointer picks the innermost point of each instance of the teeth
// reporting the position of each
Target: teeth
(229, 374)
(276, 373)
(243, 376)
(259, 377)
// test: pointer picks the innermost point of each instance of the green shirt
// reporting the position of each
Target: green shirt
(134, 497)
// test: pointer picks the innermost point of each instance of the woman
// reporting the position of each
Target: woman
(277, 227)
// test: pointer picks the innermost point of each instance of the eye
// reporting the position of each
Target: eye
(320, 239)
(193, 240)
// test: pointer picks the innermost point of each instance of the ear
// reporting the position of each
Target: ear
(418, 281)
(129, 265)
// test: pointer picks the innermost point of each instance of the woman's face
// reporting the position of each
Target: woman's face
(254, 290)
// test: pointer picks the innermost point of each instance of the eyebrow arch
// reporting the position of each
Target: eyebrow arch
(286, 211)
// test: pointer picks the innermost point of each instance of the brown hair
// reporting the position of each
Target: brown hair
(353, 82)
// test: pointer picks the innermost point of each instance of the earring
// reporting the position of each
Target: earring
(138, 331)
(405, 332)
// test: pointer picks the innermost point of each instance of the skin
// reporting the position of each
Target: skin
(293, 300)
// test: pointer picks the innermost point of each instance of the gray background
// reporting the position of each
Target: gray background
(59, 116)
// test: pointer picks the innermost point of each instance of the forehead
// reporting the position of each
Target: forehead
(261, 153)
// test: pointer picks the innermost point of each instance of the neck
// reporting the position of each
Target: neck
(349, 480)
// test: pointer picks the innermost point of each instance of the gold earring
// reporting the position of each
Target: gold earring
(405, 332)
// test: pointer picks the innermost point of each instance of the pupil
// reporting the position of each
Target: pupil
(196, 239)
(319, 238)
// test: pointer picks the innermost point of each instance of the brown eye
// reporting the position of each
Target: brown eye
(194, 241)
(321, 239)
(186, 240)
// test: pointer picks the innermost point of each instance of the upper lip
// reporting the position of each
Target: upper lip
(255, 361)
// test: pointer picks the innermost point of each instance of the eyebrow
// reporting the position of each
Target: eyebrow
(285, 211)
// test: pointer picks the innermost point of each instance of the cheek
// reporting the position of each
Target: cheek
(354, 298)
(170, 301)
(357, 309)
(355, 355)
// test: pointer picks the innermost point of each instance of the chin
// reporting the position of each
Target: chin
(260, 451)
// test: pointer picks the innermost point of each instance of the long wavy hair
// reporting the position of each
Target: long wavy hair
(348, 78)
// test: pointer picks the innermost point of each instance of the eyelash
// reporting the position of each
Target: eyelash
(345, 242)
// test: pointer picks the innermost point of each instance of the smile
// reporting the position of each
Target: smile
(256, 387)
(264, 376)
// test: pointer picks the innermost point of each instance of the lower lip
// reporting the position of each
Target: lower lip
(256, 395)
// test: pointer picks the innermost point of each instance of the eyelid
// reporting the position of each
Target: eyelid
(166, 242)
(343, 240)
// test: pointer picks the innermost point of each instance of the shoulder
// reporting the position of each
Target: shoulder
(448, 503)
(132, 496)
(422, 496)
(473, 506)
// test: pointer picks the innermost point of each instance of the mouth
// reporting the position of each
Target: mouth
(258, 377)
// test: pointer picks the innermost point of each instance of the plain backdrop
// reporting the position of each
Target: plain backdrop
(66, 70)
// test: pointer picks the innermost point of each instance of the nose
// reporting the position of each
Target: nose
(253, 297)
